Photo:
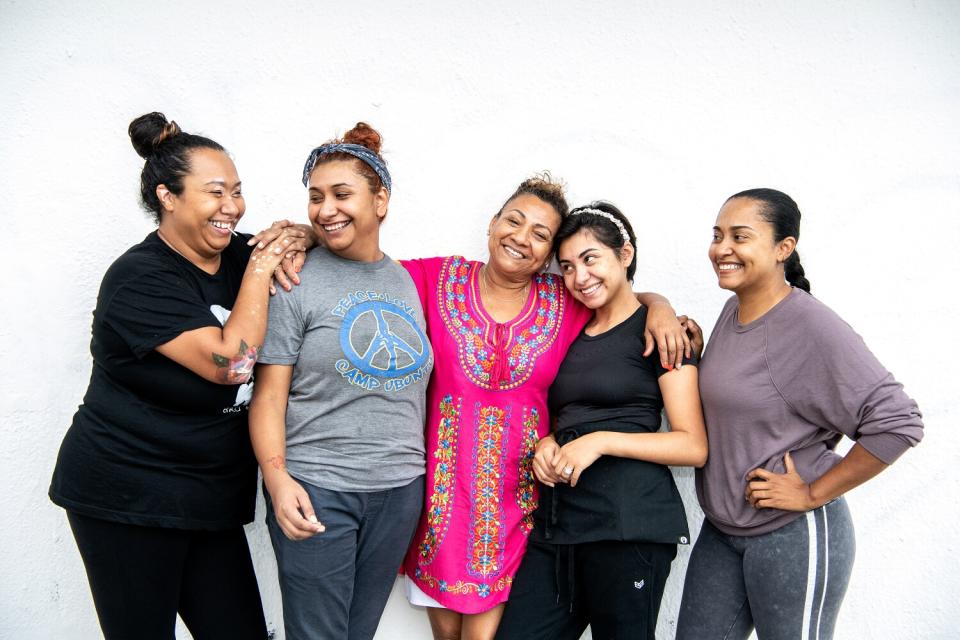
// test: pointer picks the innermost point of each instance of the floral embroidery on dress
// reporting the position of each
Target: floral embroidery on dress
(538, 327)
(460, 587)
(441, 498)
(526, 487)
(486, 533)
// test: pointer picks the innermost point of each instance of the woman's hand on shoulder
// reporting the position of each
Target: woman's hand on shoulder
(664, 331)
(694, 332)
(281, 248)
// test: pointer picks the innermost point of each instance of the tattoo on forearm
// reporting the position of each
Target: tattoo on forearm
(276, 462)
(239, 368)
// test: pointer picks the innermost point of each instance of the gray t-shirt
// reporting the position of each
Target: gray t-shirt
(355, 335)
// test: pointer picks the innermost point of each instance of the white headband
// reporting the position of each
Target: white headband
(608, 216)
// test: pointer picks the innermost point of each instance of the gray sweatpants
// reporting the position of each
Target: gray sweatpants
(788, 583)
(336, 584)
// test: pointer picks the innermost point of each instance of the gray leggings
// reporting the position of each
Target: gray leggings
(788, 583)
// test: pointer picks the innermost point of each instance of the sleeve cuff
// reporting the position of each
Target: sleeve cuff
(887, 447)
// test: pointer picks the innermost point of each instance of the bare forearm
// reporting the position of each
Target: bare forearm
(649, 298)
(268, 430)
(858, 466)
(226, 355)
(677, 448)
(248, 318)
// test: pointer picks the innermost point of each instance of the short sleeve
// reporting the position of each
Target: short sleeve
(654, 357)
(154, 308)
(418, 273)
(285, 328)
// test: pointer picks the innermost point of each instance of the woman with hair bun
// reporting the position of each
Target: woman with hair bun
(782, 380)
(337, 414)
(499, 330)
(156, 472)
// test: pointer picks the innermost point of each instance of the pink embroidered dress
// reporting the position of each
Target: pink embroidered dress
(486, 410)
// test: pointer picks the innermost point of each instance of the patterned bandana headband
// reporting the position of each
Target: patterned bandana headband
(610, 217)
(357, 151)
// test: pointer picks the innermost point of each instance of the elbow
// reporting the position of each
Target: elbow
(232, 377)
(698, 455)
(700, 459)
(237, 370)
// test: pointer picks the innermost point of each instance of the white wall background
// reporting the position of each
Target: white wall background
(852, 107)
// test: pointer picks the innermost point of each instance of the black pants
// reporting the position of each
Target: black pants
(141, 577)
(614, 587)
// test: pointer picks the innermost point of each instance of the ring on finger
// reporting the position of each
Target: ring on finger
(567, 471)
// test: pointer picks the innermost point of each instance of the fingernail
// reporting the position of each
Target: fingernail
(251, 241)
(260, 245)
(313, 519)
(669, 367)
(278, 250)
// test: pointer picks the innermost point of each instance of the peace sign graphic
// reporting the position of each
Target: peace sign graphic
(382, 339)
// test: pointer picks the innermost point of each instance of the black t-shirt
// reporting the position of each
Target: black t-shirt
(605, 384)
(154, 443)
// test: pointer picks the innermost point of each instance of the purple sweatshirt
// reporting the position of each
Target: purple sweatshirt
(796, 379)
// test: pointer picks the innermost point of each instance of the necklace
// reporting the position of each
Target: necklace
(215, 266)
(486, 288)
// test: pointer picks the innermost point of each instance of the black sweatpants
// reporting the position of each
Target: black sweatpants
(141, 577)
(614, 587)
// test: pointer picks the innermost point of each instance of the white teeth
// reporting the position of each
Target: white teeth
(513, 253)
(590, 289)
(219, 224)
(729, 267)
(335, 227)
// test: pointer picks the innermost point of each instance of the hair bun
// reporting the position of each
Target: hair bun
(364, 135)
(149, 130)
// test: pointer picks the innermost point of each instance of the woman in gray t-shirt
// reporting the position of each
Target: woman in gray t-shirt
(782, 381)
(338, 407)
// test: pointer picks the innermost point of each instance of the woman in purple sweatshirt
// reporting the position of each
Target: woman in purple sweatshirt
(782, 381)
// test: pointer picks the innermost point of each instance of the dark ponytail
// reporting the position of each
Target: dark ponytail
(783, 214)
(166, 149)
(793, 271)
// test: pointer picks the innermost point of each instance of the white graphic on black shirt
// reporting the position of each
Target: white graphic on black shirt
(244, 391)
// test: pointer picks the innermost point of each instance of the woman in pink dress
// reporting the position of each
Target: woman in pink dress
(499, 331)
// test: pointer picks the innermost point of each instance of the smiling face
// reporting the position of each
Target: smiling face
(592, 271)
(743, 252)
(521, 237)
(344, 213)
(200, 220)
